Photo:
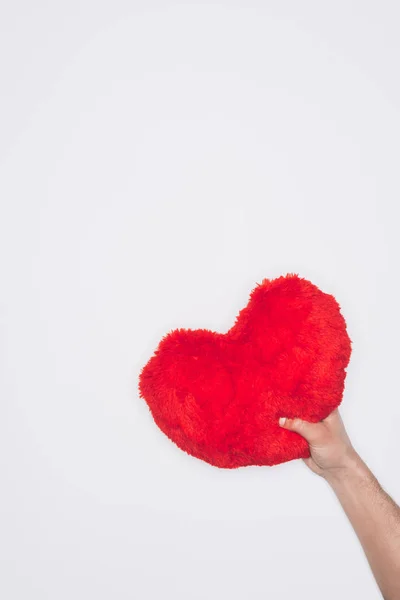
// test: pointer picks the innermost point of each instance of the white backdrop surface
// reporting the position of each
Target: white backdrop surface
(157, 160)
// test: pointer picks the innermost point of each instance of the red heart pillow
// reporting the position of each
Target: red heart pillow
(219, 396)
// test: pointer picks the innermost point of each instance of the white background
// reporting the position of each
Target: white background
(157, 160)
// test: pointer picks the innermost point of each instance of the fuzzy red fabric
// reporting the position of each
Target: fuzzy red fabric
(219, 396)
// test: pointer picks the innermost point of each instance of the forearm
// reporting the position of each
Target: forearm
(375, 518)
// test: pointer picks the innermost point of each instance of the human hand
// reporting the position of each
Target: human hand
(374, 515)
(330, 447)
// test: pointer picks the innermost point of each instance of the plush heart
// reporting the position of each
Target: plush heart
(219, 396)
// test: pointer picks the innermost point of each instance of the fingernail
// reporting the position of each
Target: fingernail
(282, 421)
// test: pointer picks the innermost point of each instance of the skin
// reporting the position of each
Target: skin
(373, 514)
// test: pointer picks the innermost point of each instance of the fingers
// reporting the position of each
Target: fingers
(310, 431)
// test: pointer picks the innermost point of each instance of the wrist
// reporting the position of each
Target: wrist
(352, 467)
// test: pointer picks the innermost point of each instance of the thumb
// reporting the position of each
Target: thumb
(310, 431)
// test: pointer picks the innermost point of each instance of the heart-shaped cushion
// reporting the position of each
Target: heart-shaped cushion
(219, 396)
